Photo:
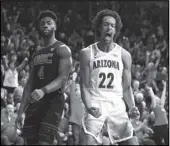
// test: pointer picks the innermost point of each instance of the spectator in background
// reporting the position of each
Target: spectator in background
(135, 86)
(74, 38)
(161, 121)
(10, 99)
(2, 74)
(9, 134)
(68, 24)
(17, 110)
(89, 37)
(151, 38)
(27, 70)
(11, 74)
(19, 90)
(140, 103)
(4, 44)
(3, 98)
(141, 129)
(76, 107)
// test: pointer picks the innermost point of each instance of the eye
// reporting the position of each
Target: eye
(113, 25)
(105, 24)
(49, 22)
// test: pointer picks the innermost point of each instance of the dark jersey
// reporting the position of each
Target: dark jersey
(45, 66)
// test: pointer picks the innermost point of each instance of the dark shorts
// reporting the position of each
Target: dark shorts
(9, 89)
(42, 120)
(161, 132)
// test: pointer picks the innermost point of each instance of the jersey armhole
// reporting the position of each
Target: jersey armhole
(91, 52)
(121, 49)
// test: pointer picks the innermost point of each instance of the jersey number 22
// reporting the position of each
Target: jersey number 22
(104, 77)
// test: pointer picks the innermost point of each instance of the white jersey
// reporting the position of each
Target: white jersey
(106, 74)
(11, 78)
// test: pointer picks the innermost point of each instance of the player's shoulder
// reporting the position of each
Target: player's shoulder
(86, 50)
(85, 54)
(125, 54)
(62, 49)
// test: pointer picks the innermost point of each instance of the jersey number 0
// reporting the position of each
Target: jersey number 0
(104, 77)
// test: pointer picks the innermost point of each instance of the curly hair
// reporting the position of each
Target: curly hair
(99, 17)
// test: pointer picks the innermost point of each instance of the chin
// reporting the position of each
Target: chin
(107, 41)
(45, 34)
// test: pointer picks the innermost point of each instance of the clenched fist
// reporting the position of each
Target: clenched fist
(95, 112)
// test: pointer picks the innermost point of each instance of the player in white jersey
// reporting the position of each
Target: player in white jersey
(105, 72)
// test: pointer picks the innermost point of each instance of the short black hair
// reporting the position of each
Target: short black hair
(47, 13)
(98, 20)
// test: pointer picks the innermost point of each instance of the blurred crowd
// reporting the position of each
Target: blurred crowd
(144, 35)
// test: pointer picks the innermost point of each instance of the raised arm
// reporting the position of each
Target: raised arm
(84, 78)
(163, 96)
(16, 17)
(22, 65)
(4, 11)
(147, 58)
(152, 96)
(127, 89)
(64, 70)
(5, 63)
(158, 59)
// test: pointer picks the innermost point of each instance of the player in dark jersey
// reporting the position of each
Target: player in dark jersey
(43, 100)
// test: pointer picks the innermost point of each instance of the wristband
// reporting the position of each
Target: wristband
(44, 90)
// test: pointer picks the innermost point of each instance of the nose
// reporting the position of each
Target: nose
(109, 27)
(45, 25)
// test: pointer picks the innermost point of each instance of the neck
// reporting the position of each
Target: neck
(105, 47)
(49, 40)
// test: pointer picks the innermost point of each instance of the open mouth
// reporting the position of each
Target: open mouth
(46, 30)
(108, 34)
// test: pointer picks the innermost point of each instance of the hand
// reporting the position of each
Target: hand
(94, 112)
(36, 95)
(4, 10)
(19, 122)
(150, 91)
(164, 83)
(149, 130)
(147, 53)
(134, 112)
(74, 76)
(26, 59)
(4, 57)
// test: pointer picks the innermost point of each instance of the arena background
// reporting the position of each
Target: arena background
(145, 31)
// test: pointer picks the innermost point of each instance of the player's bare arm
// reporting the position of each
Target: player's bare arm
(84, 82)
(84, 77)
(64, 70)
(127, 89)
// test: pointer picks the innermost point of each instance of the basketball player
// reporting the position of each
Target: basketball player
(105, 72)
(43, 91)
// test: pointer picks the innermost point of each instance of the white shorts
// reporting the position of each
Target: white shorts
(119, 127)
